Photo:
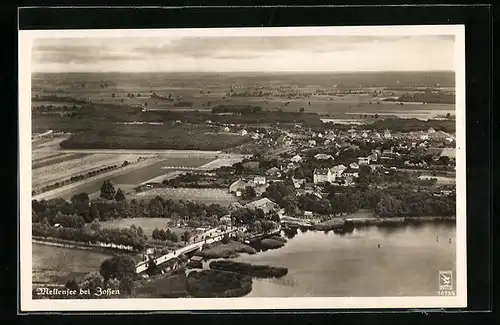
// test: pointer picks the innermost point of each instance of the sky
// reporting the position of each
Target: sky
(244, 53)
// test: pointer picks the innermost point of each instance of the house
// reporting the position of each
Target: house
(322, 175)
(364, 160)
(297, 182)
(296, 158)
(353, 165)
(260, 188)
(431, 130)
(226, 220)
(238, 187)
(387, 134)
(351, 172)
(259, 180)
(308, 214)
(338, 170)
(373, 156)
(273, 172)
(364, 135)
(226, 129)
(377, 135)
(312, 143)
(264, 204)
(243, 132)
(322, 156)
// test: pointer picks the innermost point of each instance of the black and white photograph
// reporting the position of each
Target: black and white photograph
(242, 168)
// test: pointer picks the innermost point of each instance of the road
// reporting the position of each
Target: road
(142, 266)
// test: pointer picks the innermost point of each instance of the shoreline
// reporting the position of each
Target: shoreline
(340, 223)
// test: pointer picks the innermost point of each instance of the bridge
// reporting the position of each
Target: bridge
(197, 246)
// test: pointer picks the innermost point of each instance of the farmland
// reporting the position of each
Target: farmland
(128, 177)
(147, 224)
(206, 196)
(65, 169)
(57, 264)
(318, 93)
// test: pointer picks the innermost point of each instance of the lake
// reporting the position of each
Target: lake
(332, 265)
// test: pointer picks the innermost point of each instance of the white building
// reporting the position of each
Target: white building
(259, 180)
(296, 158)
(322, 175)
(322, 156)
(364, 160)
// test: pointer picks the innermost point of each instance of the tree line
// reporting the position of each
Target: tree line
(133, 236)
(112, 204)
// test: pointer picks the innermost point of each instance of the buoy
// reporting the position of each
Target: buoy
(437, 238)
(449, 241)
(378, 245)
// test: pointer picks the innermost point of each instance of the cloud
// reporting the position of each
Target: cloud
(232, 52)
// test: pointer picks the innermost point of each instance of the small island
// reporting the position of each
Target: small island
(218, 284)
(260, 271)
(230, 250)
(273, 242)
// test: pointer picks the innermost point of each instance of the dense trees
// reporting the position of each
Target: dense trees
(119, 196)
(133, 237)
(67, 220)
(409, 125)
(249, 193)
(278, 192)
(119, 267)
(108, 190)
(103, 209)
(122, 268)
(162, 235)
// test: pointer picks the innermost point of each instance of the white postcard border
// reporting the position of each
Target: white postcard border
(28, 304)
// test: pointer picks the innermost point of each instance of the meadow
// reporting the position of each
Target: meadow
(52, 264)
(84, 164)
(147, 224)
(206, 196)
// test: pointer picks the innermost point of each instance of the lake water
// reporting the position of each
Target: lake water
(332, 265)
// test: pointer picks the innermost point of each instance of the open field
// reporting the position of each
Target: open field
(147, 224)
(52, 160)
(441, 180)
(221, 162)
(179, 136)
(39, 156)
(93, 184)
(129, 176)
(206, 196)
(332, 94)
(65, 169)
(57, 264)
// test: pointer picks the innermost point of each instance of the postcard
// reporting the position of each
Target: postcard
(242, 168)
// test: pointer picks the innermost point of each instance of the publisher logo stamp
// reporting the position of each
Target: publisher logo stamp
(446, 283)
